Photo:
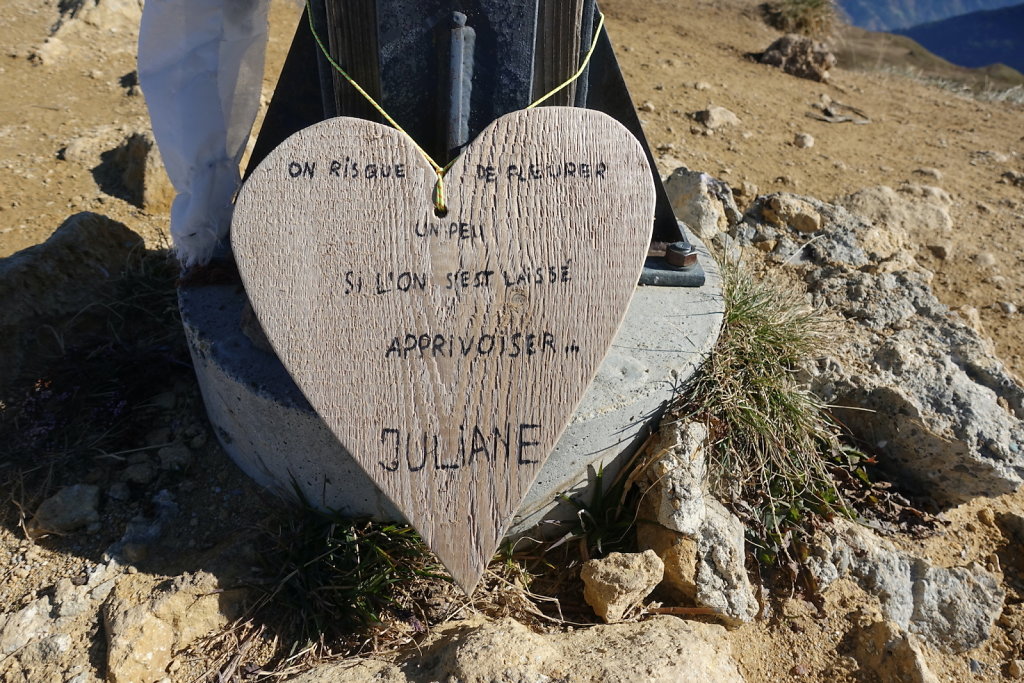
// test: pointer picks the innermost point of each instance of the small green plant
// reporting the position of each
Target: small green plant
(814, 18)
(603, 524)
(773, 446)
(334, 578)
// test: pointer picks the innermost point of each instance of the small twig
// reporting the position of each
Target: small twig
(684, 611)
(117, 455)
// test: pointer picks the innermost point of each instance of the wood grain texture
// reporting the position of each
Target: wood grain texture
(558, 49)
(447, 354)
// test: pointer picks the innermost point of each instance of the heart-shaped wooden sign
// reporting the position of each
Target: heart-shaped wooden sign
(447, 353)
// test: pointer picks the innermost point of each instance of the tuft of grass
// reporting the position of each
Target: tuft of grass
(334, 580)
(773, 446)
(814, 18)
(604, 524)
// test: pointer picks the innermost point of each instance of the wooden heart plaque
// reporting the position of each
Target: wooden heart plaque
(447, 353)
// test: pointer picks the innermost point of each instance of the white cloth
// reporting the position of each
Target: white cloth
(201, 70)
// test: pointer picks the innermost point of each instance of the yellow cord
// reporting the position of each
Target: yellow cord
(583, 66)
(439, 202)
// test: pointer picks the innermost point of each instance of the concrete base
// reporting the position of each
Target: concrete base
(268, 428)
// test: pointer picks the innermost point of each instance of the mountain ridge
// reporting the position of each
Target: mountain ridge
(976, 39)
(891, 15)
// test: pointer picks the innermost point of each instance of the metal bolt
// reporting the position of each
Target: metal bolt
(680, 254)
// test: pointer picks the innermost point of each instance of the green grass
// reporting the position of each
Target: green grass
(332, 580)
(773, 449)
(814, 18)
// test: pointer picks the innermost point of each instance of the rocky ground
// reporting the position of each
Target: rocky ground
(128, 538)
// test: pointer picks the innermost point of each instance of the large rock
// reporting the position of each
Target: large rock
(786, 210)
(143, 174)
(921, 385)
(799, 56)
(613, 586)
(915, 214)
(18, 629)
(659, 650)
(45, 286)
(721, 577)
(705, 204)
(885, 650)
(951, 609)
(85, 17)
(146, 622)
(701, 543)
(71, 508)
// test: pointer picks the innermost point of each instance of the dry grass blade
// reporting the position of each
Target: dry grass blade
(773, 443)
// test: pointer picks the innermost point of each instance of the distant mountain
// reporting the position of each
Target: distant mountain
(976, 39)
(887, 15)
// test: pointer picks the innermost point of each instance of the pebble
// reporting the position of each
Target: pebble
(985, 259)
(933, 173)
(140, 473)
(174, 457)
(119, 491)
(1016, 668)
(647, 106)
(985, 516)
(701, 85)
(1008, 307)
(804, 140)
(941, 250)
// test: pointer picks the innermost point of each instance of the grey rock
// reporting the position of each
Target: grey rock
(658, 650)
(143, 531)
(705, 204)
(799, 56)
(676, 480)
(18, 629)
(48, 285)
(928, 390)
(174, 457)
(985, 259)
(70, 600)
(613, 586)
(140, 472)
(721, 577)
(951, 609)
(48, 650)
(803, 140)
(701, 543)
(715, 117)
(69, 509)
